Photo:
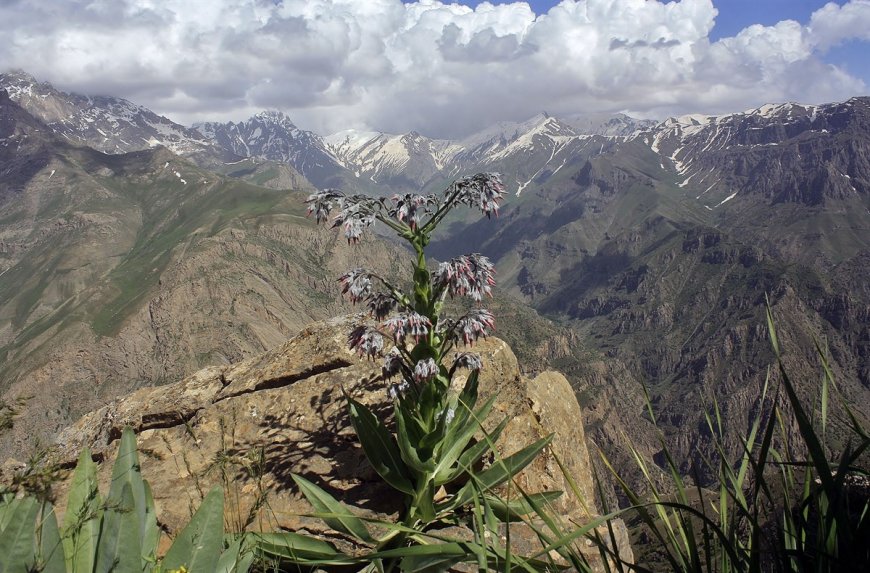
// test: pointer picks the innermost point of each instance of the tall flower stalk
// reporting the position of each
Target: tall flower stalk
(430, 457)
(415, 369)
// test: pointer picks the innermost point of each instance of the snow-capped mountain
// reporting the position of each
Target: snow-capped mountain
(108, 124)
(400, 161)
(788, 152)
(272, 135)
(618, 125)
(522, 151)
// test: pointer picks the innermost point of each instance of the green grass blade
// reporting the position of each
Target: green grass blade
(501, 471)
(515, 510)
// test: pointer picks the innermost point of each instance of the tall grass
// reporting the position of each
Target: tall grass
(783, 505)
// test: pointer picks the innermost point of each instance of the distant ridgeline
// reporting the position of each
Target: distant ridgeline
(134, 250)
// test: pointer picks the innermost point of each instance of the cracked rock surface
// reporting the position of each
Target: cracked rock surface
(250, 425)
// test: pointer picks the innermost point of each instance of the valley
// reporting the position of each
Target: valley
(134, 250)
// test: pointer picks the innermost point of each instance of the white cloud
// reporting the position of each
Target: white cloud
(833, 24)
(442, 69)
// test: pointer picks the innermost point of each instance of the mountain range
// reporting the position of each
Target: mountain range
(371, 161)
(630, 252)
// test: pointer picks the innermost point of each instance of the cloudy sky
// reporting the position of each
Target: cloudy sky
(442, 69)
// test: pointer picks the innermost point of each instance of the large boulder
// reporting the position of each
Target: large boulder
(249, 426)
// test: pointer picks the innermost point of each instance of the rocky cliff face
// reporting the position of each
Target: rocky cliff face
(104, 123)
(662, 251)
(250, 425)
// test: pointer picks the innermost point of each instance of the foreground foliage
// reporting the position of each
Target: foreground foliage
(785, 505)
(119, 533)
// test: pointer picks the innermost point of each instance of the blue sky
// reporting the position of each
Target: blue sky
(442, 69)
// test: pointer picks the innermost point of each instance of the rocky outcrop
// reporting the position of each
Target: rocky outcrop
(249, 426)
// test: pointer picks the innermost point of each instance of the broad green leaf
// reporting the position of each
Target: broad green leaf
(49, 546)
(300, 549)
(81, 522)
(409, 452)
(17, 540)
(128, 471)
(379, 446)
(8, 505)
(337, 515)
(453, 548)
(501, 471)
(151, 533)
(238, 556)
(198, 546)
(120, 547)
(468, 396)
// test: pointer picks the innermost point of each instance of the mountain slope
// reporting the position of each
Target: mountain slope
(122, 270)
(523, 152)
(401, 162)
(107, 124)
(660, 253)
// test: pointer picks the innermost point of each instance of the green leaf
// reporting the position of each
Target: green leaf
(514, 510)
(337, 515)
(471, 456)
(469, 391)
(128, 471)
(8, 505)
(238, 556)
(300, 549)
(17, 540)
(458, 439)
(49, 546)
(501, 471)
(379, 446)
(120, 547)
(453, 548)
(81, 522)
(409, 452)
(198, 546)
(430, 563)
(151, 532)
(466, 400)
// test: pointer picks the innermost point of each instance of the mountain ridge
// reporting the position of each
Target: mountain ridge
(642, 258)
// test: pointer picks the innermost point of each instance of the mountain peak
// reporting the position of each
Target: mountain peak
(18, 75)
(274, 116)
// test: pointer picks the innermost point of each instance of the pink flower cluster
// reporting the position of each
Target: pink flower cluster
(476, 324)
(470, 275)
(483, 191)
(408, 324)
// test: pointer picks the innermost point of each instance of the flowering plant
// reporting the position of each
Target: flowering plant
(432, 446)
